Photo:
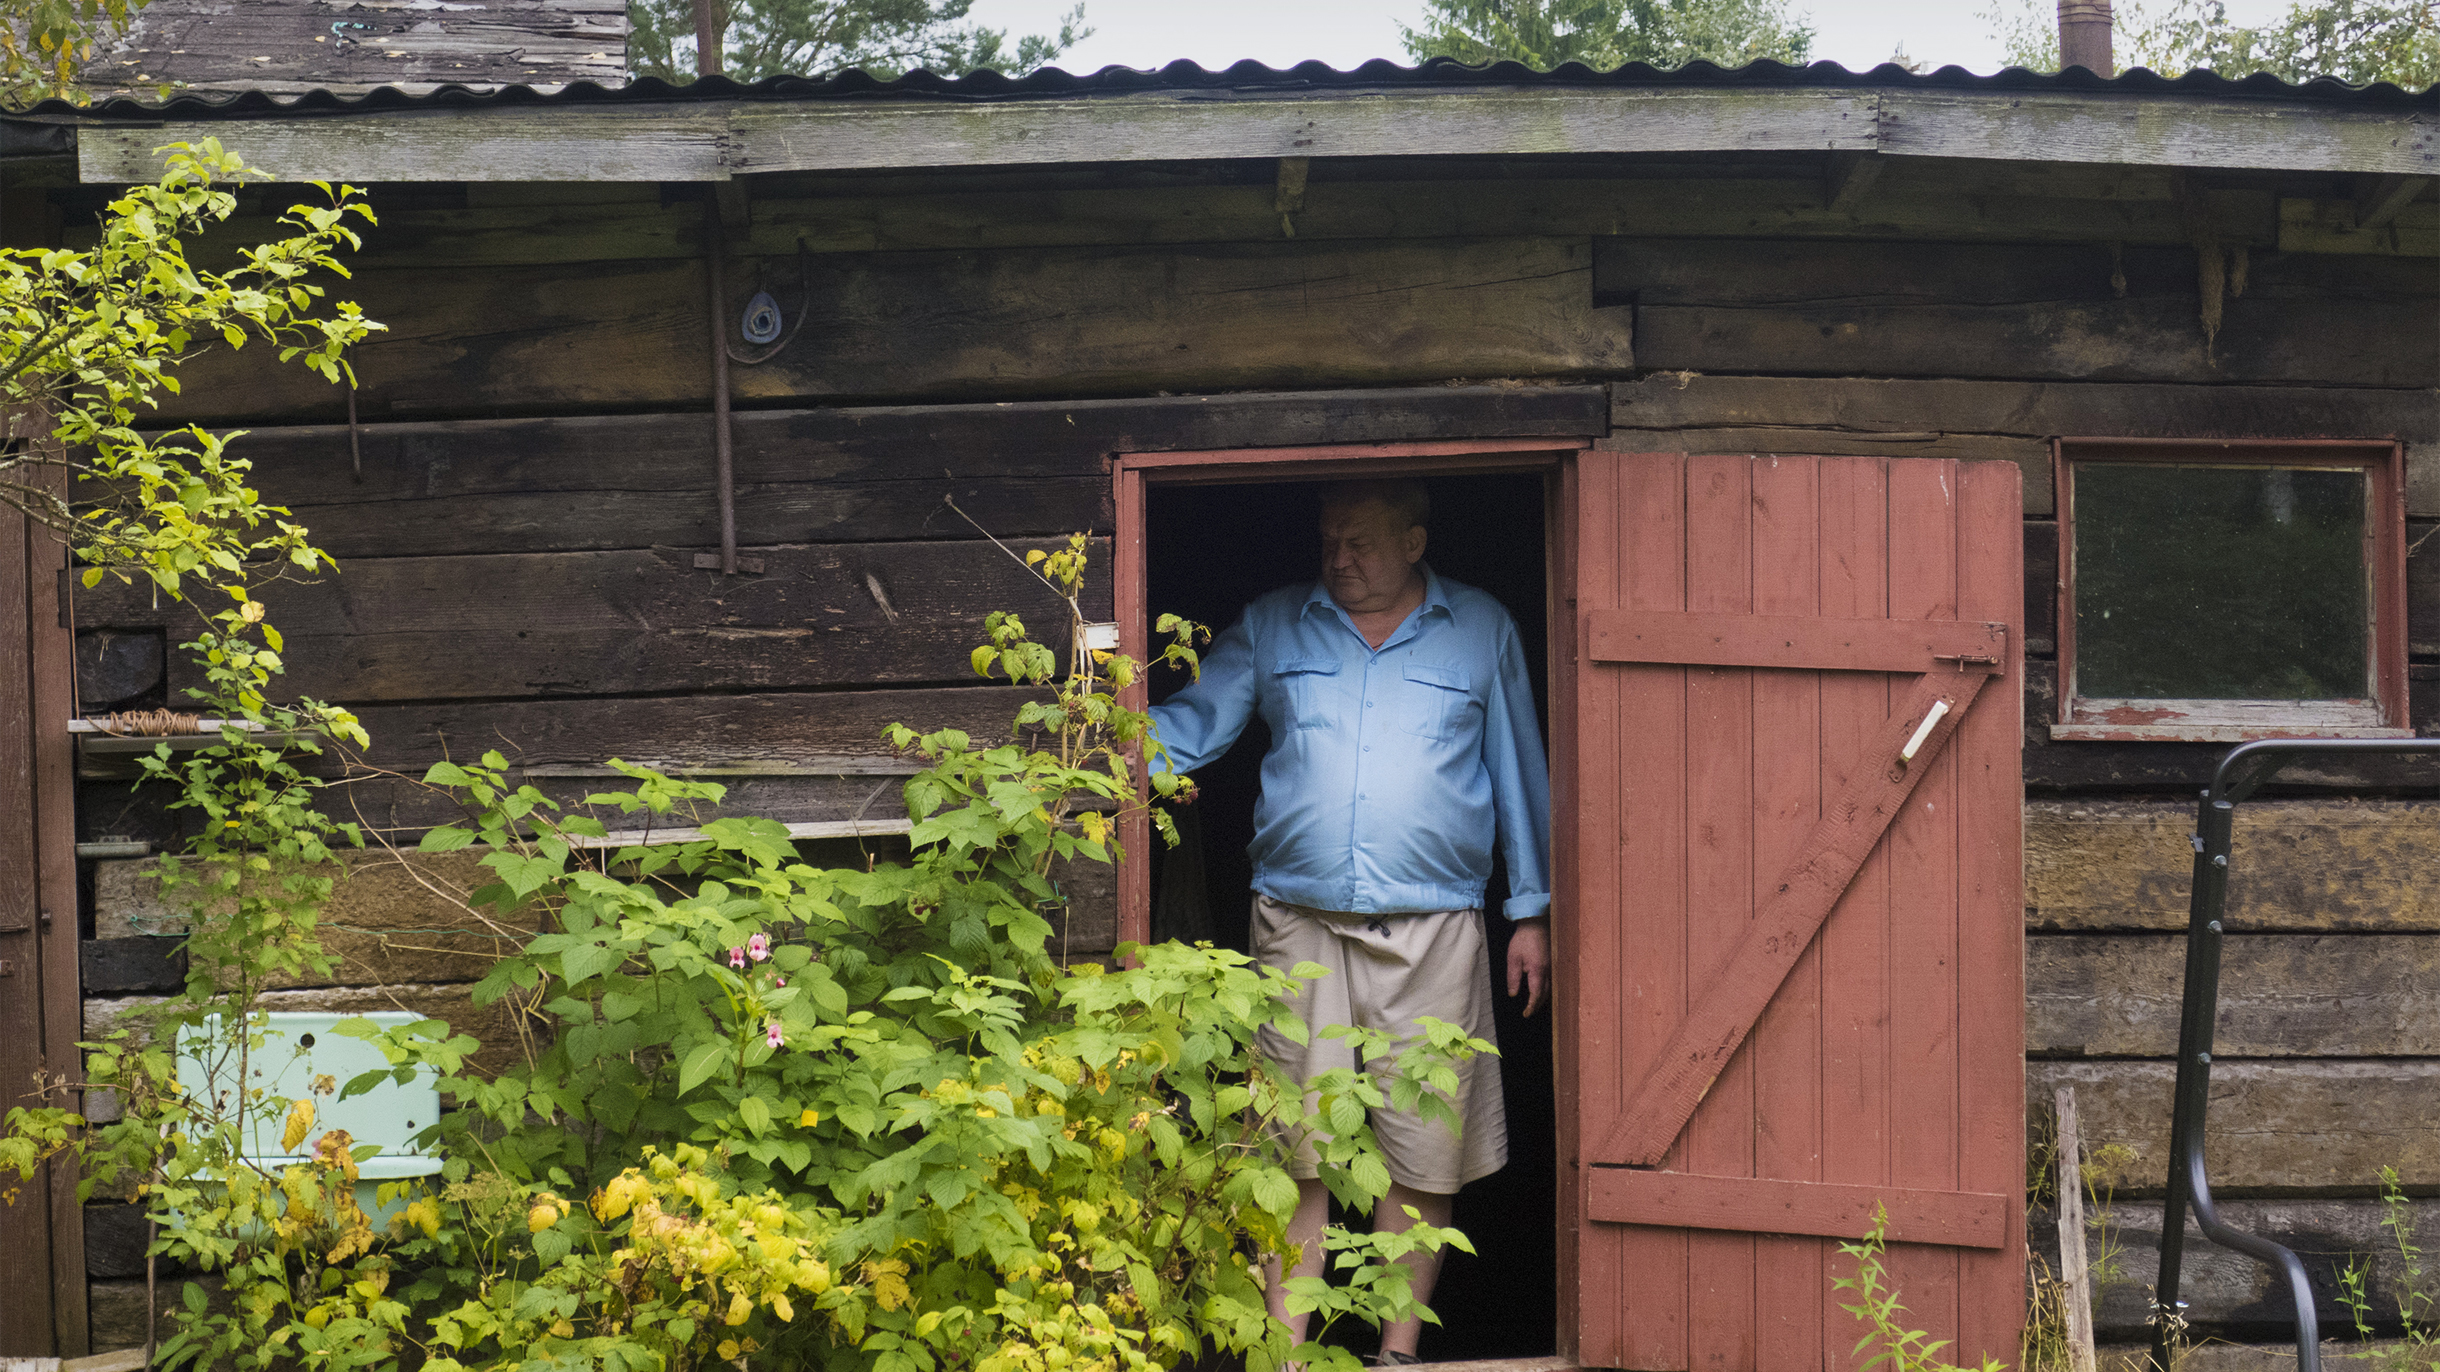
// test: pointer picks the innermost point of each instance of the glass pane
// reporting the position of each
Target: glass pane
(2220, 583)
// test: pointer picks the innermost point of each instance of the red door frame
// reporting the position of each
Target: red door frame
(1132, 474)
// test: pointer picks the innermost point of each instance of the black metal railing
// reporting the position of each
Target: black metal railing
(2246, 767)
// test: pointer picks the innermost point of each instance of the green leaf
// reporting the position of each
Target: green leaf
(755, 1115)
(706, 1059)
(446, 839)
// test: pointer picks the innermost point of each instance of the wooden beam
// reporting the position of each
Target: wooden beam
(715, 140)
(2346, 866)
(2379, 198)
(1803, 643)
(2350, 995)
(2014, 420)
(632, 622)
(2330, 226)
(1756, 1205)
(968, 326)
(2297, 1126)
(1851, 175)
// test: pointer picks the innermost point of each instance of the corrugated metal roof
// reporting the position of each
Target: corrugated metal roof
(1251, 78)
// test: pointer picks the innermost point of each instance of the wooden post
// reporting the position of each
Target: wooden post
(2075, 1273)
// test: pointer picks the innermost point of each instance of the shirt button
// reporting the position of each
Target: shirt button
(1368, 747)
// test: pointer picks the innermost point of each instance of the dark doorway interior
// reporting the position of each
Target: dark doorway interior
(1211, 549)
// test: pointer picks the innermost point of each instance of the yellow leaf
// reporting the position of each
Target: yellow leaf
(809, 1119)
(781, 1307)
(740, 1306)
(300, 1123)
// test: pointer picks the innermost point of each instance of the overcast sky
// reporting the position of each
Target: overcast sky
(1148, 33)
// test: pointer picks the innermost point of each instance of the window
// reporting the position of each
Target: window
(2223, 591)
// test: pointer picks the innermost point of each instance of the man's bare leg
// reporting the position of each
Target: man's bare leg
(1390, 1217)
(1305, 1232)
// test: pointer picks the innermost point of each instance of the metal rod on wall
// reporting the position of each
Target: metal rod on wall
(715, 231)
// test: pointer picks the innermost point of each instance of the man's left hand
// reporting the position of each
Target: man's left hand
(1529, 960)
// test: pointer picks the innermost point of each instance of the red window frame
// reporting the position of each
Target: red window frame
(2383, 715)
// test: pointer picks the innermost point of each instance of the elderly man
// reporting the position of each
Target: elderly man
(1403, 740)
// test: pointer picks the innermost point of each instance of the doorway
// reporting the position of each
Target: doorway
(1213, 539)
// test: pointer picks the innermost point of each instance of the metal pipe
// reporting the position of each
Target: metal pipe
(715, 232)
(2085, 36)
(2243, 769)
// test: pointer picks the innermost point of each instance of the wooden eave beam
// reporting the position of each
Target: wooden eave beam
(717, 140)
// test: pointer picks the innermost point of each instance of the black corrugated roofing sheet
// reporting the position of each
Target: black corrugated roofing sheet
(1247, 77)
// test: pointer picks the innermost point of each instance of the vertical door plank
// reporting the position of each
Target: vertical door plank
(51, 646)
(1595, 971)
(1562, 498)
(1923, 851)
(1987, 753)
(1786, 1042)
(25, 1227)
(1854, 944)
(1719, 901)
(1649, 830)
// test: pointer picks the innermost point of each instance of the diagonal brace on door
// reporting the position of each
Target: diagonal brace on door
(1886, 773)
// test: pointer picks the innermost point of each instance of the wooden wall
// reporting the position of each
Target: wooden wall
(519, 548)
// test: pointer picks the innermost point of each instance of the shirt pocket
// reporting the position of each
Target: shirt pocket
(1308, 683)
(1433, 700)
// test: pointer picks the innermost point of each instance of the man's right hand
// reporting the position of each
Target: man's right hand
(1529, 960)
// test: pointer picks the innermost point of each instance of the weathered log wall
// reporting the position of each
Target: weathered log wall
(535, 485)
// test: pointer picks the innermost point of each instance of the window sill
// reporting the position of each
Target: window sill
(2213, 733)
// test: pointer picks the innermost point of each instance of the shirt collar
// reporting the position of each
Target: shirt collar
(1432, 596)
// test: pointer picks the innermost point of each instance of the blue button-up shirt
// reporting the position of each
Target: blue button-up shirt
(1391, 768)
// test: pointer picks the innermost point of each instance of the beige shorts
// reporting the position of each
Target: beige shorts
(1385, 972)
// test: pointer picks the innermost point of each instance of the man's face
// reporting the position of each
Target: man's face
(1368, 555)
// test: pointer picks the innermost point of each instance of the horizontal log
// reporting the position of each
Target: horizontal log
(493, 1026)
(1757, 271)
(2078, 767)
(860, 475)
(2281, 995)
(2301, 866)
(141, 963)
(2281, 1127)
(2329, 226)
(400, 917)
(116, 1237)
(714, 140)
(2159, 339)
(999, 325)
(391, 918)
(724, 738)
(642, 621)
(1904, 418)
(1935, 199)
(2226, 1291)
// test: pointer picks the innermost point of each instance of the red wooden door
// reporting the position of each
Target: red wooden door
(1796, 980)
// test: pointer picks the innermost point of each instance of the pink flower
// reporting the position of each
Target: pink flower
(779, 981)
(758, 947)
(737, 958)
(773, 1035)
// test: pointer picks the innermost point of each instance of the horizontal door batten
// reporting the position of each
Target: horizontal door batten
(1756, 1205)
(1793, 642)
